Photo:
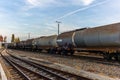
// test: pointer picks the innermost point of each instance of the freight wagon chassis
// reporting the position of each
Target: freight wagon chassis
(62, 51)
(107, 53)
(66, 52)
(111, 56)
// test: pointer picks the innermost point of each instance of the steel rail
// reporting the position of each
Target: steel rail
(48, 69)
(15, 67)
(45, 78)
(41, 68)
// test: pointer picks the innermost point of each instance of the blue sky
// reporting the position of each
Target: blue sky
(38, 17)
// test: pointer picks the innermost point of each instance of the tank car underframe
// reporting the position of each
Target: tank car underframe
(107, 53)
(112, 56)
(61, 50)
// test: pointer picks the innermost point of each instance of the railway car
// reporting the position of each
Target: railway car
(20, 45)
(11, 45)
(44, 43)
(66, 39)
(102, 39)
(66, 43)
(28, 44)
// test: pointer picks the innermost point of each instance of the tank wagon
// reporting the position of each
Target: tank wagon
(44, 43)
(28, 44)
(11, 45)
(20, 45)
(66, 41)
(104, 40)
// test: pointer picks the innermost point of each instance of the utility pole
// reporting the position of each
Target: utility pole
(58, 22)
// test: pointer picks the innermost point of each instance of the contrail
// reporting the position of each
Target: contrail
(81, 9)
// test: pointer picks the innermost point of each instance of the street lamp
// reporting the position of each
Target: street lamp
(58, 22)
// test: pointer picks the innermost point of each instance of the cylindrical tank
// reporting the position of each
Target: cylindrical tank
(46, 41)
(21, 43)
(35, 42)
(28, 42)
(65, 38)
(103, 36)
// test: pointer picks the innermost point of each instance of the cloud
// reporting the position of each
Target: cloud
(55, 3)
(82, 9)
(82, 2)
(40, 3)
(50, 29)
(53, 28)
(87, 2)
(2, 15)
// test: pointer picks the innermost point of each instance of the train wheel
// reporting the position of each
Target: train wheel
(107, 56)
(115, 56)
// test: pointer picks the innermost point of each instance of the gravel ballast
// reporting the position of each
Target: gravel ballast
(112, 71)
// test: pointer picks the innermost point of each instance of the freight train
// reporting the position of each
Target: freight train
(104, 40)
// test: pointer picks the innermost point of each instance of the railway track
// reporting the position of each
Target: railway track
(90, 58)
(87, 58)
(29, 70)
(20, 72)
(97, 60)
